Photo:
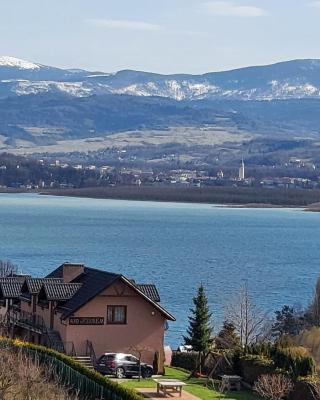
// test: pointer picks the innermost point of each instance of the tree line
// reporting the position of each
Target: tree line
(247, 329)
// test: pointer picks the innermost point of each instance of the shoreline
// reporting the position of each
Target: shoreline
(258, 205)
(211, 196)
(217, 196)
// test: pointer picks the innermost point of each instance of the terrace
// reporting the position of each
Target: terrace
(195, 388)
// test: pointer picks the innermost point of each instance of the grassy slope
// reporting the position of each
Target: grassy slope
(194, 386)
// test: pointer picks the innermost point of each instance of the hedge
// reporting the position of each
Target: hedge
(251, 367)
(186, 361)
(73, 374)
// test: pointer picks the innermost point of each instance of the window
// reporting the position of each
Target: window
(131, 359)
(117, 315)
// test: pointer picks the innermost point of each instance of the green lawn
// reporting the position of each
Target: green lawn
(194, 386)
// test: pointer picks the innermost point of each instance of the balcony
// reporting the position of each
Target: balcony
(35, 323)
(26, 320)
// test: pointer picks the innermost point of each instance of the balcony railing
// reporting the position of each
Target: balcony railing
(26, 320)
(35, 323)
(63, 347)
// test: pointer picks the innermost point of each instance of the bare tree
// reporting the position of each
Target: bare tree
(7, 268)
(273, 387)
(249, 321)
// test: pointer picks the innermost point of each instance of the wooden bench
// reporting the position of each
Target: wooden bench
(167, 386)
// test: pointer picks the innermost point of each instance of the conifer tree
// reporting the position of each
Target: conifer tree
(227, 338)
(200, 329)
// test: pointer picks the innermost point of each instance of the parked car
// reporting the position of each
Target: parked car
(122, 366)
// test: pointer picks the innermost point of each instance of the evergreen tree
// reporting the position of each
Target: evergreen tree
(288, 322)
(227, 338)
(200, 329)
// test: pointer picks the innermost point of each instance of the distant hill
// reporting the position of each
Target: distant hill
(286, 80)
(65, 117)
(43, 105)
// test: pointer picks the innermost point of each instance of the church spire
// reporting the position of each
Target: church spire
(242, 171)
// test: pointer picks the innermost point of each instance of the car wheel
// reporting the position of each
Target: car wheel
(120, 374)
(147, 373)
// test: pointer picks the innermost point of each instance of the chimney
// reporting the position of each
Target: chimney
(71, 271)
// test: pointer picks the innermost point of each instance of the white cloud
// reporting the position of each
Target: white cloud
(124, 24)
(315, 4)
(229, 8)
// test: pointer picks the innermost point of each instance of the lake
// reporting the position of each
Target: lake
(177, 246)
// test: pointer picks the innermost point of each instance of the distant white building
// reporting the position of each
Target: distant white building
(185, 348)
(220, 174)
(242, 171)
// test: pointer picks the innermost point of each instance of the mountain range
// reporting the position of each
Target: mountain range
(285, 80)
(44, 108)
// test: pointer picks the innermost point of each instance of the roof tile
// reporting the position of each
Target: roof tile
(60, 291)
(10, 289)
(35, 284)
(149, 290)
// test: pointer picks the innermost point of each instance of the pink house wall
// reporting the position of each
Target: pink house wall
(26, 306)
(144, 327)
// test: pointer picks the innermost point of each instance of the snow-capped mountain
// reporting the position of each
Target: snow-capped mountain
(17, 63)
(15, 69)
(287, 80)
(42, 105)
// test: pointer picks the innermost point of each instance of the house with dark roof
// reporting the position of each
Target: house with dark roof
(86, 311)
(10, 290)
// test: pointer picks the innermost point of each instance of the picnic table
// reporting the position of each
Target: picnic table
(231, 382)
(167, 386)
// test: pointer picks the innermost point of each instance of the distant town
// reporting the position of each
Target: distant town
(58, 173)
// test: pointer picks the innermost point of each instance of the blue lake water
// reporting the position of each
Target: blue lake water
(176, 246)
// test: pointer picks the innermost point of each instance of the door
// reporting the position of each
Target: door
(132, 364)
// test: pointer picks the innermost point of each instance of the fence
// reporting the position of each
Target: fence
(89, 385)
(70, 378)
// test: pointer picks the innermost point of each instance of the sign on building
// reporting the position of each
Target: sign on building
(86, 321)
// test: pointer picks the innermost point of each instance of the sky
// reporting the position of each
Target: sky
(165, 36)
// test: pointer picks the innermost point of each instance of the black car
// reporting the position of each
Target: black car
(122, 366)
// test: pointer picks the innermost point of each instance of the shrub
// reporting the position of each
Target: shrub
(262, 349)
(273, 387)
(23, 378)
(251, 367)
(305, 388)
(311, 340)
(156, 363)
(186, 361)
(295, 360)
(47, 355)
